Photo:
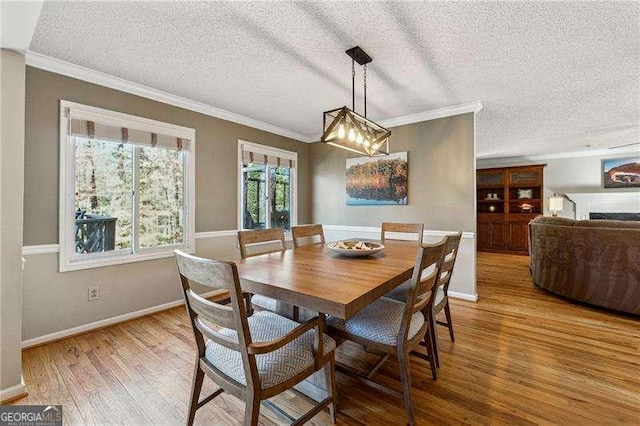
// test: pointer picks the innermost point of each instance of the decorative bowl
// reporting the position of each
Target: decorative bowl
(355, 248)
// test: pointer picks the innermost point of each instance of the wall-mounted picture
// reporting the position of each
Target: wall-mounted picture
(378, 180)
(621, 173)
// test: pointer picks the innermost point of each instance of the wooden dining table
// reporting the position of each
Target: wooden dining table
(319, 279)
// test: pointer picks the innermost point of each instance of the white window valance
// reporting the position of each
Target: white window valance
(252, 153)
(92, 129)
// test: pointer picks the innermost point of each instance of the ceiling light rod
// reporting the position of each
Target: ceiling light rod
(346, 129)
(360, 56)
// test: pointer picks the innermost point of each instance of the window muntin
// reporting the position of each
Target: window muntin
(126, 188)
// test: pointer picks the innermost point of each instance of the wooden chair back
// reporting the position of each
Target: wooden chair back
(421, 293)
(302, 234)
(267, 241)
(449, 261)
(401, 228)
(206, 315)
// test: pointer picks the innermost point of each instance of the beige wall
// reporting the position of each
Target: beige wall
(216, 153)
(12, 85)
(441, 178)
(56, 301)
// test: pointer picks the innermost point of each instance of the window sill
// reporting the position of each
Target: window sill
(99, 262)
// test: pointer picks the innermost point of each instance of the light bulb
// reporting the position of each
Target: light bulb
(352, 135)
(366, 143)
(341, 131)
(359, 139)
(375, 146)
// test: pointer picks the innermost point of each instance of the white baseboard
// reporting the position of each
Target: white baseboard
(13, 392)
(463, 296)
(51, 337)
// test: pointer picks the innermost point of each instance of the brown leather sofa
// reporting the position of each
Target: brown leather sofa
(593, 261)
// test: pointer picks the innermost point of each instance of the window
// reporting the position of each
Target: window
(126, 188)
(267, 187)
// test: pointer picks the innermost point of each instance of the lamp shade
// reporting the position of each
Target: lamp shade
(556, 204)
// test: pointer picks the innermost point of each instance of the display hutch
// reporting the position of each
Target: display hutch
(507, 199)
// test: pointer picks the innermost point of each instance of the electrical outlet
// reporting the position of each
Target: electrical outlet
(94, 293)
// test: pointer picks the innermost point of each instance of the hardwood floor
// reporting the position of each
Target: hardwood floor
(521, 356)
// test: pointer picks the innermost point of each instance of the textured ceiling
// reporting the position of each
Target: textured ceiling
(553, 77)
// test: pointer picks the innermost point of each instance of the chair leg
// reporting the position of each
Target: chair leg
(428, 343)
(447, 314)
(405, 376)
(330, 381)
(434, 339)
(196, 387)
(248, 305)
(252, 412)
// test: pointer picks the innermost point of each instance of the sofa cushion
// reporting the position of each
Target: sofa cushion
(601, 223)
(550, 220)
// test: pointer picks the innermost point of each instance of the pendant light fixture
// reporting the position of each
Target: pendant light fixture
(346, 129)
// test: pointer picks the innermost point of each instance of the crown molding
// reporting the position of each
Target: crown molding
(517, 159)
(58, 66)
(433, 114)
(79, 72)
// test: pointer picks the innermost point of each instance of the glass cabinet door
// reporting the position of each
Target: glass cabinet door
(521, 177)
(490, 178)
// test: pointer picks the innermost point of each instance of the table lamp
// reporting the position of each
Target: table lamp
(555, 205)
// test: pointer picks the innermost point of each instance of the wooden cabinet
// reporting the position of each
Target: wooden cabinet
(507, 199)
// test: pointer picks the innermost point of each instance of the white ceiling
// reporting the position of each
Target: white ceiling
(553, 77)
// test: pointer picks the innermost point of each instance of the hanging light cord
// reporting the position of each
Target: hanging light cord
(353, 85)
(365, 90)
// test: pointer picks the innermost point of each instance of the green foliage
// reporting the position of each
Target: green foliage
(104, 184)
(256, 195)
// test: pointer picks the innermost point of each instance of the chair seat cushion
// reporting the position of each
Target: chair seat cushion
(438, 301)
(267, 303)
(379, 322)
(400, 293)
(261, 303)
(274, 367)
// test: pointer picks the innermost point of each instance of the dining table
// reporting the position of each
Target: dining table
(319, 279)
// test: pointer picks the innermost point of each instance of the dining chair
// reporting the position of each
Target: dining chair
(417, 229)
(262, 241)
(441, 299)
(414, 231)
(253, 358)
(393, 327)
(307, 234)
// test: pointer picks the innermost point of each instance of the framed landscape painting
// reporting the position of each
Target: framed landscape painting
(378, 180)
(621, 173)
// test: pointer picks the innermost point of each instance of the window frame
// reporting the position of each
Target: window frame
(270, 151)
(68, 259)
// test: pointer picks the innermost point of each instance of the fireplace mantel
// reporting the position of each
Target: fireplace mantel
(604, 202)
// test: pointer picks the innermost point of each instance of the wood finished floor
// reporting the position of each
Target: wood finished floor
(521, 356)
